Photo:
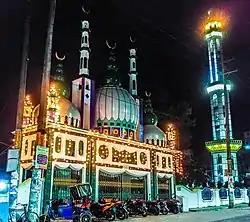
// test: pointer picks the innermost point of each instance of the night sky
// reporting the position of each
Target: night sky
(172, 61)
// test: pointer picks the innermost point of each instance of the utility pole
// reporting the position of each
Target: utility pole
(36, 180)
(228, 146)
(19, 115)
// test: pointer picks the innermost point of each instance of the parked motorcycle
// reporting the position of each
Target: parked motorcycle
(136, 207)
(153, 207)
(163, 207)
(103, 210)
(121, 211)
(174, 206)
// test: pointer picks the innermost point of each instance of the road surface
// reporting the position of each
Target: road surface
(225, 215)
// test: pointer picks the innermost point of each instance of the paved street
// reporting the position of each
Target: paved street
(225, 215)
(237, 219)
(233, 215)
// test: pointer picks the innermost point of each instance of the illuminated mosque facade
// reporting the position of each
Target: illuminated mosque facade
(105, 136)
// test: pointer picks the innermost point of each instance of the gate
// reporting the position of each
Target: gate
(121, 186)
(164, 188)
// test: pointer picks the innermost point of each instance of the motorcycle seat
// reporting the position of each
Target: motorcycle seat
(105, 204)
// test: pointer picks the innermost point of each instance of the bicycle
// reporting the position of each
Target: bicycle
(27, 216)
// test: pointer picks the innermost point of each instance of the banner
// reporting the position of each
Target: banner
(42, 153)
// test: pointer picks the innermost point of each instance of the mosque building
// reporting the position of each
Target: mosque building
(105, 136)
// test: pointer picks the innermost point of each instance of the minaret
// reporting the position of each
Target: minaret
(83, 88)
(214, 33)
(132, 72)
(133, 88)
(84, 52)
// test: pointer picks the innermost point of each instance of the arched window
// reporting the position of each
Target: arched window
(58, 144)
(164, 162)
(87, 86)
(26, 147)
(162, 143)
(133, 65)
(85, 63)
(232, 162)
(33, 147)
(85, 39)
(147, 141)
(81, 62)
(72, 121)
(66, 120)
(153, 141)
(70, 148)
(80, 148)
(169, 162)
(223, 99)
(215, 100)
(219, 159)
(134, 85)
(157, 160)
(158, 142)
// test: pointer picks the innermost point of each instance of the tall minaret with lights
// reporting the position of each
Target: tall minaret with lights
(133, 87)
(214, 31)
(83, 88)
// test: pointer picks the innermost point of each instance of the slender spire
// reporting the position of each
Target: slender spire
(58, 80)
(59, 68)
(149, 116)
(111, 77)
(85, 50)
(132, 70)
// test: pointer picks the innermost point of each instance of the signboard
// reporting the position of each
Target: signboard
(42, 153)
(13, 156)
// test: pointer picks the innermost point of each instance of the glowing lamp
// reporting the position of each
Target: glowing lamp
(3, 187)
(216, 21)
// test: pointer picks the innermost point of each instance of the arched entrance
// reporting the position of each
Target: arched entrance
(164, 187)
(122, 185)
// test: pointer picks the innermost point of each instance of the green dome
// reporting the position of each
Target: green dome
(150, 119)
(61, 87)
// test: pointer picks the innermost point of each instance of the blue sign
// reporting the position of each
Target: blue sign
(237, 192)
(223, 193)
(206, 194)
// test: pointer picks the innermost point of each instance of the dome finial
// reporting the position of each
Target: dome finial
(60, 58)
(148, 94)
(111, 72)
(85, 11)
(132, 39)
(109, 46)
(58, 78)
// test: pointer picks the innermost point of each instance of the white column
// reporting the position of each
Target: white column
(21, 174)
(84, 173)
(97, 185)
(52, 179)
(172, 185)
(149, 186)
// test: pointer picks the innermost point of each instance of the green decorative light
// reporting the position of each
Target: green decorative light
(220, 145)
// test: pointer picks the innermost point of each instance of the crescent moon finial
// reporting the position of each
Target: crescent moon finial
(60, 58)
(84, 10)
(107, 43)
(131, 39)
(148, 94)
